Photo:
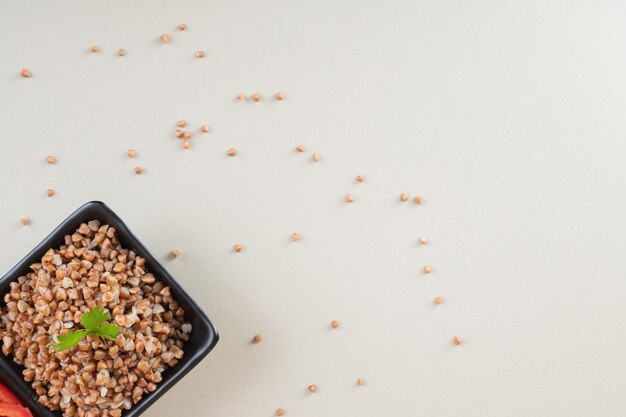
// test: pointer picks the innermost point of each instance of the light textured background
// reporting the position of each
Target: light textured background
(507, 116)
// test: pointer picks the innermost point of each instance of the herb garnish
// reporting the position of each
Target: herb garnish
(93, 323)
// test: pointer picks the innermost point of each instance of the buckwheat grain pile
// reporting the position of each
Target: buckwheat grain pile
(96, 378)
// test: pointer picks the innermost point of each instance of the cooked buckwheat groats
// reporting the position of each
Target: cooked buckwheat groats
(97, 377)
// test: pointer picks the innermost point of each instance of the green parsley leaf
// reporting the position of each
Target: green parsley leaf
(108, 331)
(69, 340)
(94, 318)
(94, 324)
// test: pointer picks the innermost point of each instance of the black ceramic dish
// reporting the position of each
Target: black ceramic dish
(203, 336)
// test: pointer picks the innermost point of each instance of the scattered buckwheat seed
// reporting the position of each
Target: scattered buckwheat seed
(50, 192)
(205, 128)
(279, 96)
(427, 269)
(360, 178)
(279, 412)
(94, 49)
(438, 300)
(312, 388)
(349, 198)
(186, 144)
(240, 97)
(186, 134)
(231, 152)
(404, 197)
(257, 339)
(295, 237)
(25, 73)
(360, 381)
(131, 153)
(25, 221)
(181, 123)
(179, 133)
(200, 54)
(51, 159)
(139, 170)
(182, 27)
(176, 253)
(238, 247)
(315, 157)
(165, 38)
(299, 148)
(121, 52)
(334, 324)
(256, 97)
(423, 241)
(417, 200)
(457, 340)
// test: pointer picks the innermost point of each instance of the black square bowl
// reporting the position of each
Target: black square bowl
(203, 339)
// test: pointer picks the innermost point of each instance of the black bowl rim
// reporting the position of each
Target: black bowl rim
(207, 341)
